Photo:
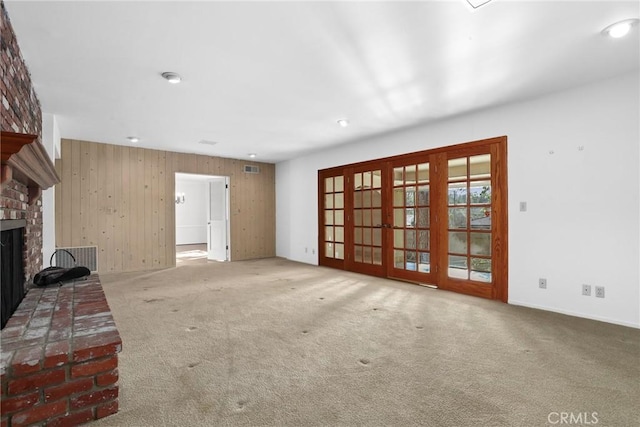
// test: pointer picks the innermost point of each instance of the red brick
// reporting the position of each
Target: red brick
(4, 422)
(109, 344)
(73, 419)
(18, 403)
(39, 413)
(61, 322)
(93, 341)
(26, 361)
(89, 308)
(107, 379)
(12, 332)
(94, 367)
(93, 398)
(67, 389)
(56, 354)
(59, 333)
(21, 385)
(17, 344)
(107, 409)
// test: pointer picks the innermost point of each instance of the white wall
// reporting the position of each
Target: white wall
(191, 216)
(51, 142)
(582, 223)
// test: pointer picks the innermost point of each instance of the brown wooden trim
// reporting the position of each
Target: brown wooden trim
(500, 250)
(322, 259)
(466, 146)
(484, 290)
(437, 158)
(440, 219)
(25, 158)
(13, 142)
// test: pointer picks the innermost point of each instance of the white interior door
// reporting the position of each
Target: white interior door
(218, 219)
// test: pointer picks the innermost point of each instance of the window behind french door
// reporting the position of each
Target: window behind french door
(436, 217)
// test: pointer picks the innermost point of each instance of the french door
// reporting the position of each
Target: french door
(436, 217)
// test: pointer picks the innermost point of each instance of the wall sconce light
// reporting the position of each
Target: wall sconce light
(179, 198)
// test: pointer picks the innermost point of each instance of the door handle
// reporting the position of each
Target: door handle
(382, 226)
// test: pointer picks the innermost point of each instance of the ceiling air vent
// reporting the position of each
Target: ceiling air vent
(205, 142)
(251, 169)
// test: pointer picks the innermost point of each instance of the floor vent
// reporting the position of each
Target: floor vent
(251, 169)
(86, 256)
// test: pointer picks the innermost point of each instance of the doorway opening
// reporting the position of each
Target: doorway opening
(202, 218)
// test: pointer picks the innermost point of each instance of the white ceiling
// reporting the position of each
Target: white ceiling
(272, 78)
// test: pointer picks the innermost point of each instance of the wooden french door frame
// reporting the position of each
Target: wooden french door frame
(339, 252)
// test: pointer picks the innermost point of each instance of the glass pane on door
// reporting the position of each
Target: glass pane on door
(334, 217)
(367, 214)
(411, 220)
(469, 222)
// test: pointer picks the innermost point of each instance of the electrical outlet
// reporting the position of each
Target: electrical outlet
(542, 283)
(599, 291)
(586, 290)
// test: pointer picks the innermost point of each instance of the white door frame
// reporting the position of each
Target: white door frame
(226, 210)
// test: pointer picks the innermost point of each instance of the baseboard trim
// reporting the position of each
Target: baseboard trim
(576, 314)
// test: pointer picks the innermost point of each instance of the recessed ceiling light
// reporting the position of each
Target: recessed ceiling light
(133, 139)
(172, 77)
(343, 122)
(620, 29)
(253, 155)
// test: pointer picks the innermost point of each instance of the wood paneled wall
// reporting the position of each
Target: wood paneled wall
(122, 200)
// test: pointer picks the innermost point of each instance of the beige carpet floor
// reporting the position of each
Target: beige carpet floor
(277, 343)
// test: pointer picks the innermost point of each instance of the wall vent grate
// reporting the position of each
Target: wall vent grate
(86, 256)
(251, 169)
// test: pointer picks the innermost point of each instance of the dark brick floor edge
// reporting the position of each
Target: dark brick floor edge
(59, 358)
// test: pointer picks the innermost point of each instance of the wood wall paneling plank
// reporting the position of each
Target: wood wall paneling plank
(134, 208)
(93, 235)
(155, 212)
(75, 214)
(118, 238)
(102, 205)
(58, 205)
(123, 215)
(192, 163)
(203, 164)
(109, 237)
(145, 224)
(85, 191)
(169, 210)
(65, 187)
(162, 203)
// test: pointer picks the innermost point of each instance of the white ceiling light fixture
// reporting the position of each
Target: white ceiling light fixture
(343, 123)
(253, 155)
(620, 29)
(171, 77)
(477, 3)
(133, 139)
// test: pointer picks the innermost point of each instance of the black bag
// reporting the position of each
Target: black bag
(58, 275)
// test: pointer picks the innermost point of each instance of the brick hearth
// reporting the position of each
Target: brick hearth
(60, 357)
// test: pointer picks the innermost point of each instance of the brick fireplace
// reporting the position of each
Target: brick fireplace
(59, 353)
